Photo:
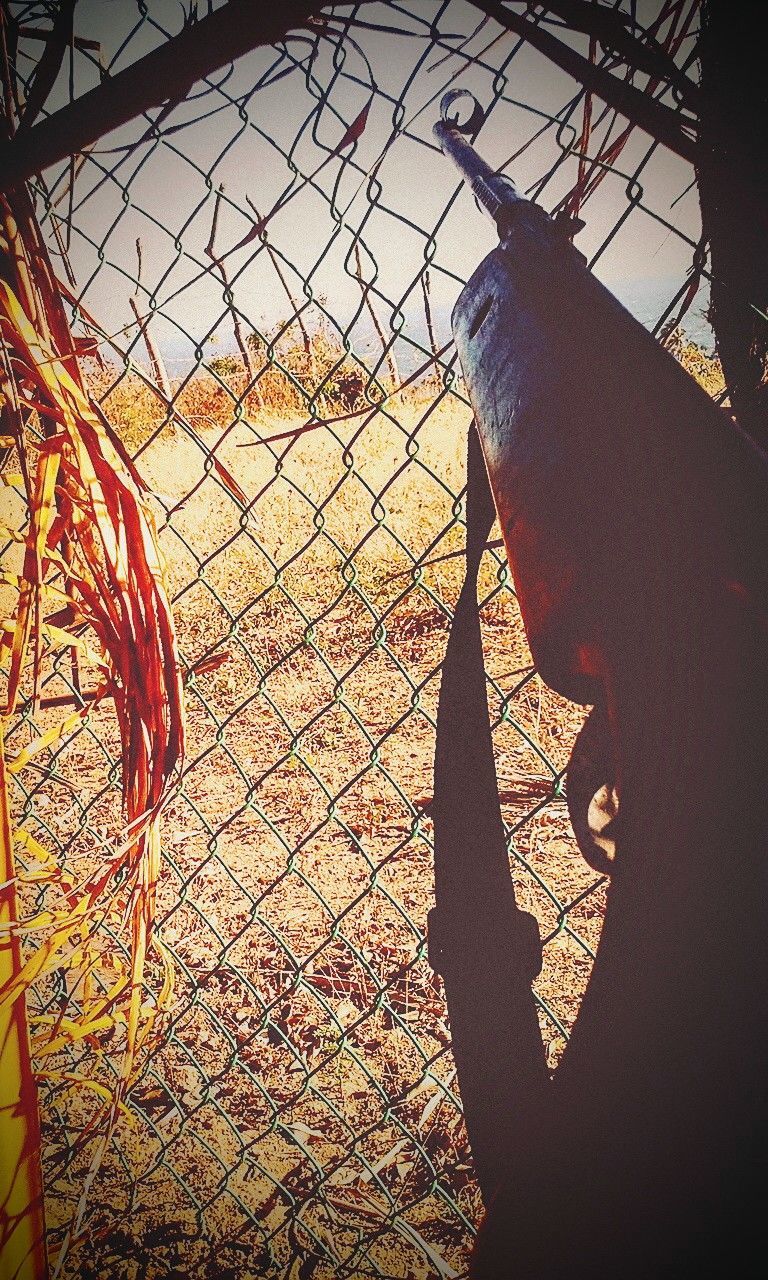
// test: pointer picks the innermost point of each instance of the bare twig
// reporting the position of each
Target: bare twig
(284, 282)
(220, 265)
(426, 289)
(386, 347)
(80, 42)
(156, 362)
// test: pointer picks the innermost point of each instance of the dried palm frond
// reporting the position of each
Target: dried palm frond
(90, 564)
(22, 1222)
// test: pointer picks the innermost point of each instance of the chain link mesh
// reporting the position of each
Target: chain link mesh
(269, 270)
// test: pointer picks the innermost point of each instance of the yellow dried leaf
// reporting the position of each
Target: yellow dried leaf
(47, 739)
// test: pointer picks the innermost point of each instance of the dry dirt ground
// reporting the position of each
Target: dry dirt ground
(299, 1116)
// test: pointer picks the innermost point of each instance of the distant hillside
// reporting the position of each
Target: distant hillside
(647, 299)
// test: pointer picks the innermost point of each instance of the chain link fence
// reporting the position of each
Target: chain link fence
(268, 271)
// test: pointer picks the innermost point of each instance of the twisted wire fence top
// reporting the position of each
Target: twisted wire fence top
(262, 276)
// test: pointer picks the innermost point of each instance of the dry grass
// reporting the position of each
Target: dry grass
(311, 1080)
(304, 1099)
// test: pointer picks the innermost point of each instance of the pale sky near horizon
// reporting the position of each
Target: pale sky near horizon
(170, 206)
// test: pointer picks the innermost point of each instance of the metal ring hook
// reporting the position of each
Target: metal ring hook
(472, 125)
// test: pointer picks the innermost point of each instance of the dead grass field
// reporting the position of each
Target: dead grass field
(299, 1116)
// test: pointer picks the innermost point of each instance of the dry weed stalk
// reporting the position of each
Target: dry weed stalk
(156, 362)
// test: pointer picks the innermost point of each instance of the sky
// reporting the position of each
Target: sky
(272, 119)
